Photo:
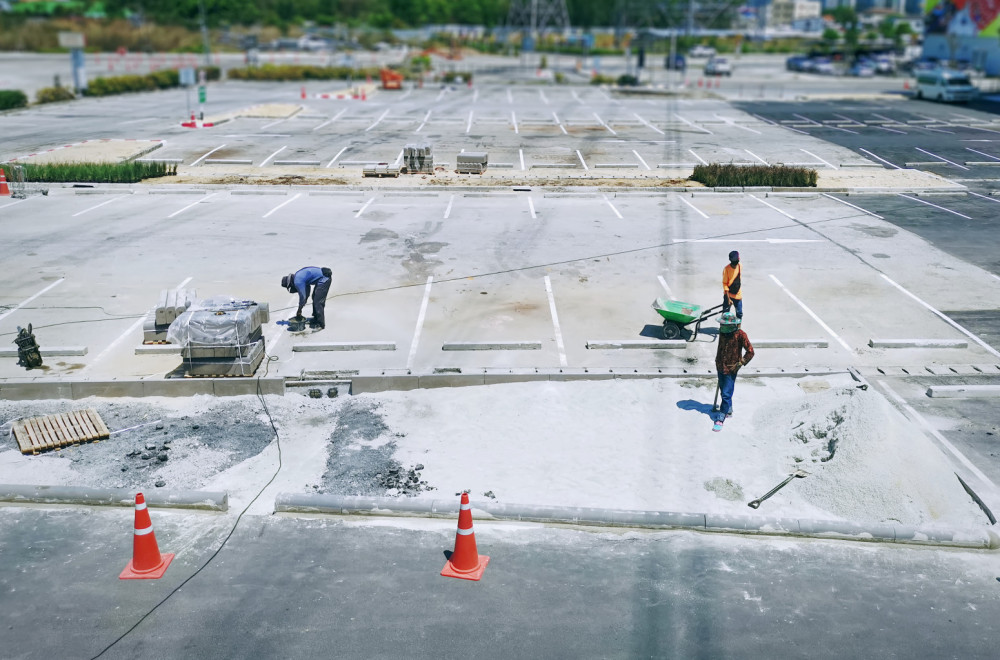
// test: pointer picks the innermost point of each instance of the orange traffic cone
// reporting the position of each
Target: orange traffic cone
(147, 562)
(465, 562)
(4, 190)
(906, 84)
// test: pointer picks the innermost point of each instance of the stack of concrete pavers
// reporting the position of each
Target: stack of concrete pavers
(418, 158)
(471, 162)
(380, 170)
(221, 337)
(171, 304)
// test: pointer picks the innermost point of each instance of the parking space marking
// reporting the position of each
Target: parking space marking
(468, 126)
(730, 122)
(192, 204)
(331, 119)
(666, 288)
(804, 118)
(207, 155)
(880, 158)
(556, 117)
(811, 313)
(940, 438)
(582, 161)
(510, 98)
(378, 121)
(992, 199)
(545, 99)
(982, 153)
(755, 156)
(765, 120)
(113, 199)
(691, 124)
(836, 199)
(531, 208)
(641, 160)
(608, 202)
(273, 155)
(339, 153)
(447, 211)
(521, 154)
(420, 322)
(915, 199)
(648, 124)
(577, 97)
(273, 123)
(13, 203)
(25, 302)
(693, 207)
(830, 165)
(942, 158)
(700, 159)
(787, 215)
(890, 130)
(277, 333)
(284, 203)
(944, 318)
(362, 209)
(122, 337)
(980, 128)
(601, 122)
(934, 130)
(513, 120)
(560, 346)
(424, 122)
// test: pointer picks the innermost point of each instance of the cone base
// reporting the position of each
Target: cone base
(131, 574)
(474, 574)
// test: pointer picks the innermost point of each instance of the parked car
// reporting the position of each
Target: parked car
(701, 51)
(678, 63)
(862, 70)
(822, 65)
(946, 85)
(884, 65)
(796, 63)
(718, 66)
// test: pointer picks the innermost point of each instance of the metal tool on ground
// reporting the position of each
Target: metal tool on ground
(677, 315)
(29, 354)
(715, 401)
(798, 474)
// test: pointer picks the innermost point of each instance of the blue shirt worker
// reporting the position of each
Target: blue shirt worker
(318, 279)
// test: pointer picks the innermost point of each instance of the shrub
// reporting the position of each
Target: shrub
(599, 79)
(12, 98)
(299, 72)
(53, 94)
(127, 172)
(729, 175)
(627, 80)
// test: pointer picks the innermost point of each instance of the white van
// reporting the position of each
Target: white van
(945, 85)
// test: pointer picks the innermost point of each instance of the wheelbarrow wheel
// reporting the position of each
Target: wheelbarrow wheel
(671, 330)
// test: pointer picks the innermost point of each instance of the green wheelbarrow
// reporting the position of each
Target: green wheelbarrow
(678, 315)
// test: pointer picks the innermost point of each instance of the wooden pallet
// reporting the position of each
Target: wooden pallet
(57, 431)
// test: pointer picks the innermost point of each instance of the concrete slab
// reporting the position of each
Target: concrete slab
(492, 346)
(344, 346)
(790, 343)
(652, 344)
(918, 343)
(47, 351)
(964, 391)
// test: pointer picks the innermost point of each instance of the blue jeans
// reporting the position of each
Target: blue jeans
(738, 304)
(727, 383)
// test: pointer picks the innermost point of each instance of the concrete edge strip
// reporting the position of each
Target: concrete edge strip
(48, 351)
(345, 346)
(492, 346)
(178, 499)
(918, 343)
(963, 391)
(614, 344)
(983, 538)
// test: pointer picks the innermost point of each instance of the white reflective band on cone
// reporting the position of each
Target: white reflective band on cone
(140, 506)
(464, 532)
(141, 532)
(466, 507)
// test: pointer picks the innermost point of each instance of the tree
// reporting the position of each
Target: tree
(830, 37)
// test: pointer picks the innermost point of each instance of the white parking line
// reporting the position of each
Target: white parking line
(513, 120)
(14, 202)
(336, 157)
(420, 322)
(468, 126)
(880, 158)
(641, 160)
(424, 122)
(362, 209)
(206, 197)
(874, 215)
(272, 156)
(122, 337)
(206, 155)
(755, 156)
(915, 199)
(803, 118)
(940, 438)
(582, 161)
(691, 124)
(830, 165)
(693, 207)
(545, 100)
(447, 211)
(698, 157)
(113, 199)
(811, 313)
(377, 121)
(521, 154)
(555, 323)
(992, 199)
(331, 119)
(25, 302)
(601, 122)
(982, 153)
(648, 124)
(890, 130)
(475, 95)
(284, 203)
(277, 333)
(784, 213)
(556, 117)
(531, 208)
(666, 288)
(942, 158)
(608, 202)
(510, 99)
(732, 123)
(577, 97)
(273, 123)
(944, 318)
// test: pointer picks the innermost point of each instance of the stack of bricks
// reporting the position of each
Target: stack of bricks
(418, 158)
(171, 304)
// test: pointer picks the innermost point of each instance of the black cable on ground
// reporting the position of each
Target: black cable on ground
(277, 438)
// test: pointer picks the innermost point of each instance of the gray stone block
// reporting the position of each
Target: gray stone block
(497, 376)
(108, 388)
(492, 346)
(176, 387)
(651, 344)
(344, 346)
(366, 384)
(918, 343)
(964, 391)
(429, 381)
(36, 390)
(47, 351)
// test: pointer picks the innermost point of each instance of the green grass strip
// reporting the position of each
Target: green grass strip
(127, 172)
(718, 175)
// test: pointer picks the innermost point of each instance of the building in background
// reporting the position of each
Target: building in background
(787, 12)
(964, 33)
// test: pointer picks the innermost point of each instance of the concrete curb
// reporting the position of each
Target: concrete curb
(830, 529)
(181, 499)
(918, 343)
(50, 351)
(159, 386)
(492, 346)
(964, 391)
(655, 344)
(344, 346)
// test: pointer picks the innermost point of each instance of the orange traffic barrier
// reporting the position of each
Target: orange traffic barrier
(147, 562)
(4, 190)
(465, 562)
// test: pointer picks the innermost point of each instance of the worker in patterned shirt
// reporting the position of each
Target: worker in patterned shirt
(735, 350)
(732, 285)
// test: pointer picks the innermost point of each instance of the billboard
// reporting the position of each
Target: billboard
(962, 18)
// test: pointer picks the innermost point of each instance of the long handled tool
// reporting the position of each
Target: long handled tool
(715, 401)
(797, 474)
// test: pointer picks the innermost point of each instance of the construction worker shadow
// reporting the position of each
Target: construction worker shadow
(696, 406)
(294, 325)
